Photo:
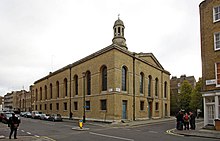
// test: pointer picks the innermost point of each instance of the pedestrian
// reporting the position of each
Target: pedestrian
(13, 124)
(192, 121)
(186, 121)
(179, 120)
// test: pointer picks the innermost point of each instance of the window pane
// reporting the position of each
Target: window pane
(104, 79)
(124, 79)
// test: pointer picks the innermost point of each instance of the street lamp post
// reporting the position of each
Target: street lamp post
(84, 98)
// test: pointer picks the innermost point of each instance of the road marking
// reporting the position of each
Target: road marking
(153, 132)
(47, 138)
(29, 133)
(108, 136)
(22, 130)
(37, 136)
(171, 133)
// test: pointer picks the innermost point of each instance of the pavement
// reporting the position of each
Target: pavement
(199, 132)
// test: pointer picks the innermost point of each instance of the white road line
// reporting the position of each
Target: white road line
(153, 132)
(22, 130)
(37, 136)
(108, 136)
(29, 133)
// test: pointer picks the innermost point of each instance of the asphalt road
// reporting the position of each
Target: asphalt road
(62, 131)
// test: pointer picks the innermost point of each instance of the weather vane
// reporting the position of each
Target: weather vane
(118, 16)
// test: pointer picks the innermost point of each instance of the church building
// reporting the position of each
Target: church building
(111, 84)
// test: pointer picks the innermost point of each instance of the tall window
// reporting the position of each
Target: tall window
(75, 106)
(142, 83)
(51, 106)
(87, 105)
(45, 91)
(156, 87)
(88, 82)
(217, 41)
(141, 105)
(65, 87)
(216, 13)
(165, 89)
(65, 106)
(103, 104)
(36, 95)
(40, 93)
(57, 106)
(156, 106)
(149, 85)
(124, 78)
(217, 74)
(57, 88)
(104, 78)
(76, 84)
(51, 90)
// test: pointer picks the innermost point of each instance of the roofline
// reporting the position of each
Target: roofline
(104, 50)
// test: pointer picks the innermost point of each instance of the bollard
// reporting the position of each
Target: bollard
(80, 124)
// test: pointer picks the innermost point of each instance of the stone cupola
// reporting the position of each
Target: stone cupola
(119, 38)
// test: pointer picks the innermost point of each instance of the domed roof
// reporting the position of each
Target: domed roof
(118, 22)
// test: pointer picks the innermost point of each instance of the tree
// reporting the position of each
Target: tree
(185, 95)
(196, 97)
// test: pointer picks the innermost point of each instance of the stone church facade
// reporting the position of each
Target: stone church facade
(109, 85)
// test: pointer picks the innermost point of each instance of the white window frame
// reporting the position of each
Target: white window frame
(216, 20)
(216, 41)
(217, 85)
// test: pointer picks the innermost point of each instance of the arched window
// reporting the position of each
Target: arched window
(88, 82)
(76, 84)
(141, 82)
(40, 93)
(36, 95)
(57, 88)
(51, 90)
(65, 86)
(119, 31)
(149, 85)
(104, 78)
(45, 91)
(156, 87)
(124, 78)
(165, 89)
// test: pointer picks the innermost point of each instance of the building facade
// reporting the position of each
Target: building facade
(210, 52)
(175, 84)
(17, 101)
(108, 85)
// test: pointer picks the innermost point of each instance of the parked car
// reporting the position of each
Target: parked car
(22, 114)
(36, 114)
(6, 117)
(27, 115)
(55, 117)
(44, 116)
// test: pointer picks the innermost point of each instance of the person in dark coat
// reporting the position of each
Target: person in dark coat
(179, 120)
(13, 124)
(192, 121)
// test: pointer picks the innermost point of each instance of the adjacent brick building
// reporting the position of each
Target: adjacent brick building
(175, 84)
(210, 52)
(110, 84)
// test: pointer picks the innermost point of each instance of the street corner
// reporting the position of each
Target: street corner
(80, 129)
(174, 132)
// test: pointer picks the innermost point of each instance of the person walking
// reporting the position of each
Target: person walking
(186, 121)
(13, 124)
(192, 121)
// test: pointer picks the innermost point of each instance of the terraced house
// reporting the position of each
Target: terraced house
(109, 85)
(210, 52)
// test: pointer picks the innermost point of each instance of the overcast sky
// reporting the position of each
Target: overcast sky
(42, 36)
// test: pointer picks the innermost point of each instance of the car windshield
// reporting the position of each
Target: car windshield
(8, 115)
